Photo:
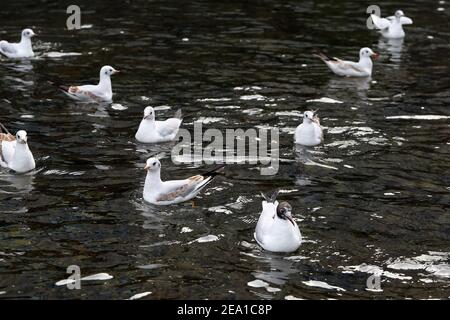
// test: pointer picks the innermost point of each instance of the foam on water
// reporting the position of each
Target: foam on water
(321, 284)
(420, 117)
(324, 100)
(257, 284)
(140, 295)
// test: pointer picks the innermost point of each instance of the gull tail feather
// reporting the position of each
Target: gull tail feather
(214, 172)
(178, 114)
(323, 56)
(272, 197)
(56, 82)
(209, 176)
(2, 127)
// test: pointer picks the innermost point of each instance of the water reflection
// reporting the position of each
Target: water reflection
(359, 85)
(393, 46)
(16, 183)
(23, 66)
(280, 269)
(155, 216)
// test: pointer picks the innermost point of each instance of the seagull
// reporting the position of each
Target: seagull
(15, 153)
(309, 133)
(152, 131)
(102, 92)
(23, 49)
(391, 27)
(276, 231)
(362, 68)
(160, 192)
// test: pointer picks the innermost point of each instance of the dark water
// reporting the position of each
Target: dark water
(375, 196)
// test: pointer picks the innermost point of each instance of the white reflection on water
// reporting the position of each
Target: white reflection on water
(16, 183)
(359, 85)
(394, 47)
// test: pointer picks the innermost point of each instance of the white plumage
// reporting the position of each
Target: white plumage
(102, 92)
(391, 27)
(152, 131)
(23, 49)
(309, 133)
(276, 231)
(362, 68)
(161, 192)
(15, 153)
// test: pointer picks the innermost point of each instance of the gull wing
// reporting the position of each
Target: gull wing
(190, 186)
(405, 20)
(265, 221)
(8, 48)
(168, 127)
(348, 66)
(7, 147)
(82, 92)
(380, 23)
(179, 188)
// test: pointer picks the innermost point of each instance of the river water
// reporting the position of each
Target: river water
(373, 199)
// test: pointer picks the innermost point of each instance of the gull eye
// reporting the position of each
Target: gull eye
(154, 163)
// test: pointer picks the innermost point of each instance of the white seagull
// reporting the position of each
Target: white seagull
(276, 231)
(15, 153)
(161, 192)
(152, 131)
(362, 68)
(391, 27)
(102, 92)
(23, 49)
(309, 133)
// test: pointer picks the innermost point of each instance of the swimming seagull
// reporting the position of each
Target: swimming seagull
(362, 68)
(309, 133)
(391, 27)
(152, 131)
(276, 231)
(102, 92)
(23, 49)
(14, 151)
(161, 192)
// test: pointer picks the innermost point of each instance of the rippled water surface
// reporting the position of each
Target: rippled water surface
(374, 198)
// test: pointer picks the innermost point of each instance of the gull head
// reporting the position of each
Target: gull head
(152, 164)
(367, 53)
(284, 211)
(308, 116)
(149, 113)
(399, 14)
(108, 71)
(28, 33)
(21, 137)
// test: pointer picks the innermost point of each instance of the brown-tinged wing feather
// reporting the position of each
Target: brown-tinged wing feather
(184, 189)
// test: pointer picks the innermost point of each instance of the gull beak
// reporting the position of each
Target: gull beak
(375, 55)
(146, 167)
(291, 220)
(116, 71)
